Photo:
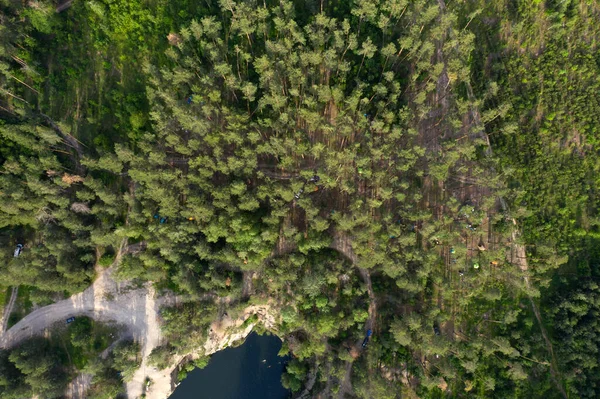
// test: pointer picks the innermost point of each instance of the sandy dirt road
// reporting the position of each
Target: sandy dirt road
(107, 301)
(104, 301)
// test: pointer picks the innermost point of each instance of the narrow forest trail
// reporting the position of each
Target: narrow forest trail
(518, 256)
(77, 389)
(8, 309)
(63, 6)
(247, 283)
(343, 245)
(310, 383)
(346, 385)
(366, 276)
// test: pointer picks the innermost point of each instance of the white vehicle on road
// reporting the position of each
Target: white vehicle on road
(18, 250)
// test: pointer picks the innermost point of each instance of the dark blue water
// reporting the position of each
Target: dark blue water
(250, 371)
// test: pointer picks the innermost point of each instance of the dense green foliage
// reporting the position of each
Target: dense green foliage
(44, 366)
(34, 368)
(178, 143)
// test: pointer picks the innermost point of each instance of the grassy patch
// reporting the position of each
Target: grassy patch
(107, 259)
(4, 297)
(250, 320)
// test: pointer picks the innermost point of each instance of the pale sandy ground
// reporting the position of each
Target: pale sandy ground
(137, 310)
(107, 301)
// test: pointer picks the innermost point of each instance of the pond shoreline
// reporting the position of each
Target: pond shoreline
(249, 369)
(225, 332)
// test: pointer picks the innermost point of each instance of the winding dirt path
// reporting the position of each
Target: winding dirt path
(247, 284)
(161, 379)
(8, 309)
(346, 385)
(104, 300)
(518, 257)
(65, 5)
(343, 244)
(77, 389)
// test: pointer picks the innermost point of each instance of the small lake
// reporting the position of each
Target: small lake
(250, 371)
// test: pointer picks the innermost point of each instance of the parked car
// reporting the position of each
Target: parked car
(366, 340)
(70, 320)
(18, 250)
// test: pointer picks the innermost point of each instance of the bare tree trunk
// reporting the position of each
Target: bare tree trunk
(71, 141)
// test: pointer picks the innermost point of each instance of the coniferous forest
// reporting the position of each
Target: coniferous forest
(425, 172)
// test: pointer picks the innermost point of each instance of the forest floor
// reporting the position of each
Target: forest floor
(78, 387)
(346, 385)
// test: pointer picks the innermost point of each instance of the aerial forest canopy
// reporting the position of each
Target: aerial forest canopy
(427, 170)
